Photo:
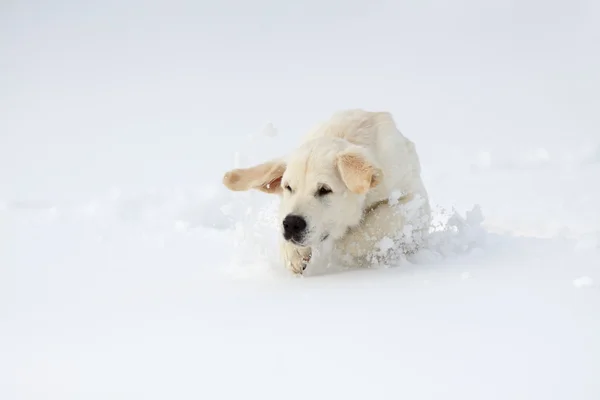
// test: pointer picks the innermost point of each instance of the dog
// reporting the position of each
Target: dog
(354, 184)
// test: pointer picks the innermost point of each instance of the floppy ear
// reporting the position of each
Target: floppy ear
(264, 177)
(357, 171)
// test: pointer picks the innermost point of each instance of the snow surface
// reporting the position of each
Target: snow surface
(128, 272)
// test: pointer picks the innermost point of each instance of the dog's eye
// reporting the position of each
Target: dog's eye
(323, 191)
(288, 188)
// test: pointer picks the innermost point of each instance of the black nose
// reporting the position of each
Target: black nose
(293, 226)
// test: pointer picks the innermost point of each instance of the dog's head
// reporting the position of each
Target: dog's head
(322, 187)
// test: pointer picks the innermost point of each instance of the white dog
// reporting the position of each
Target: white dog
(354, 184)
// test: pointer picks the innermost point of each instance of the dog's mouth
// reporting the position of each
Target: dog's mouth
(295, 240)
(304, 240)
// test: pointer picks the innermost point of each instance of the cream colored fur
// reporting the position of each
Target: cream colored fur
(378, 206)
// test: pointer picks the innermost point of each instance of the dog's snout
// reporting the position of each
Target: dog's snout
(293, 226)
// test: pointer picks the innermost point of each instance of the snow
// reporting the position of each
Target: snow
(583, 281)
(128, 271)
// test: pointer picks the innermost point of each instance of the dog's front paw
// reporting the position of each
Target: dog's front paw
(296, 259)
(298, 265)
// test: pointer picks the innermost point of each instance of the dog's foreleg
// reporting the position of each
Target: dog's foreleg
(295, 258)
(373, 238)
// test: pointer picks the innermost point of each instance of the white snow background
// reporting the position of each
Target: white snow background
(128, 272)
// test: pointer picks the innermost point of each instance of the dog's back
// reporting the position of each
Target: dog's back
(356, 126)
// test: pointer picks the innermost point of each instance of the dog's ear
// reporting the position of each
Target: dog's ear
(264, 177)
(358, 172)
